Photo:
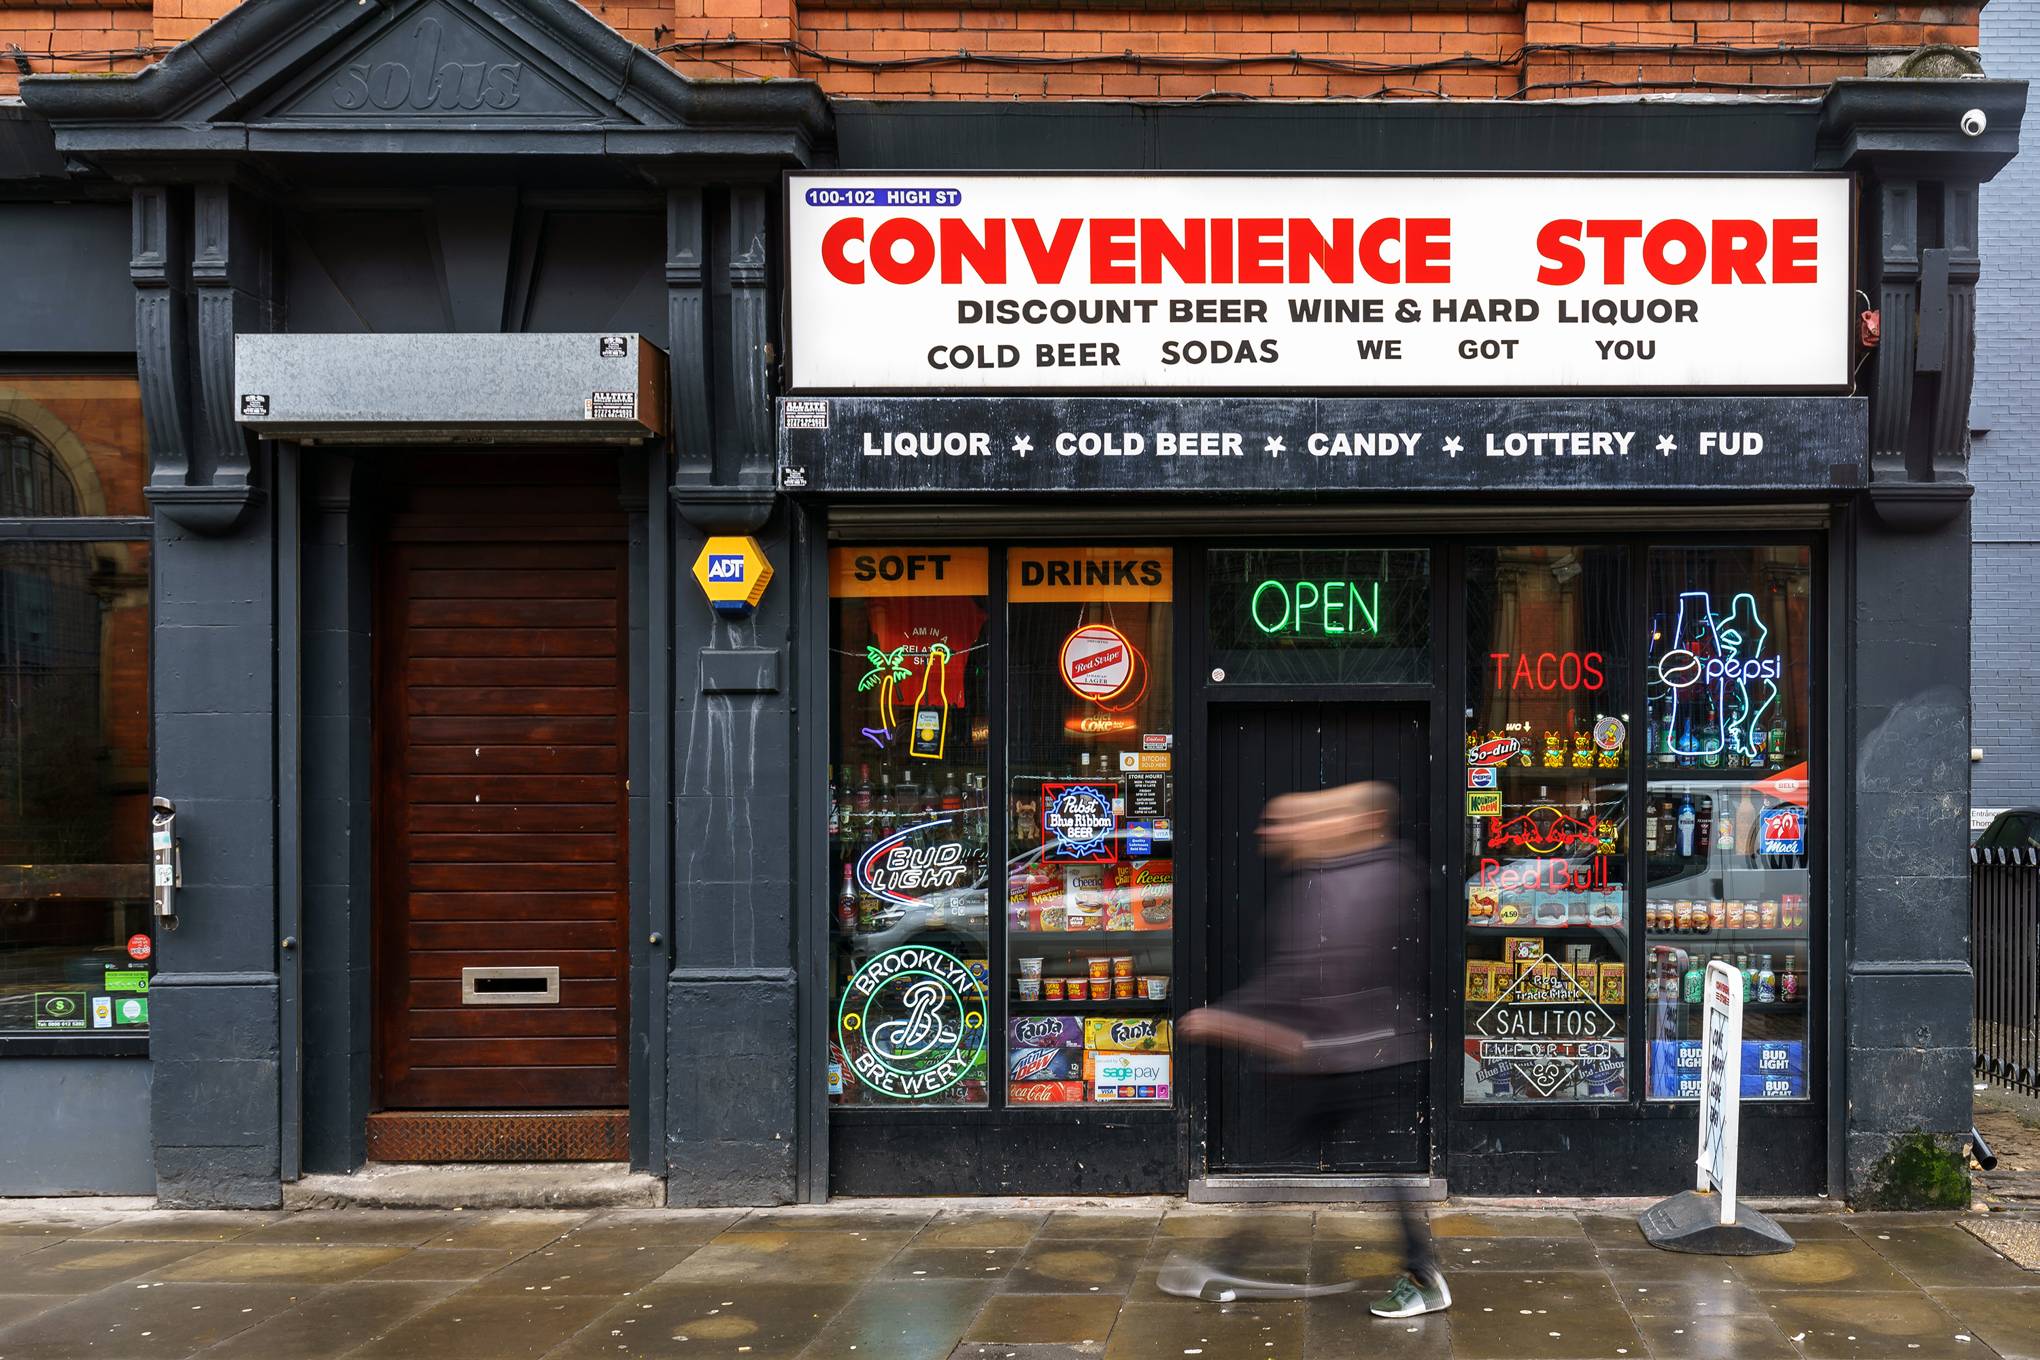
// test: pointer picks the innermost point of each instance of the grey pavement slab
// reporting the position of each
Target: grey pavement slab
(1016, 1280)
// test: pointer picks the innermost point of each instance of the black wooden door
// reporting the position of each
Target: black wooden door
(1259, 751)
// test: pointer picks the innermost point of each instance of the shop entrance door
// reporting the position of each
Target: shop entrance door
(501, 736)
(1259, 751)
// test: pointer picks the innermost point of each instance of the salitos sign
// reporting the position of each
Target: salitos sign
(1350, 283)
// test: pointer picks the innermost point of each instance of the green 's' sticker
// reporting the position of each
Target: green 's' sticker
(60, 1010)
(127, 979)
(130, 1010)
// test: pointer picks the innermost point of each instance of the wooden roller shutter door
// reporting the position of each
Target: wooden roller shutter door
(502, 728)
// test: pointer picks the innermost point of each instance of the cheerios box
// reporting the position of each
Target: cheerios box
(1130, 1076)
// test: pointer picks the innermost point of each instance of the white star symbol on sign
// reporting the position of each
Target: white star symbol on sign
(1667, 444)
(1453, 446)
(1022, 445)
(1274, 446)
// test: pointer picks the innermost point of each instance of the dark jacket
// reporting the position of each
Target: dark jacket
(1348, 963)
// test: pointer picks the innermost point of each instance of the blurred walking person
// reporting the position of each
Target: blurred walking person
(1342, 997)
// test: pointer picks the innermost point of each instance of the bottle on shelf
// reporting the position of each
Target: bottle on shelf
(952, 795)
(835, 807)
(885, 806)
(1767, 981)
(1688, 823)
(1789, 985)
(846, 902)
(1691, 986)
(864, 795)
(1742, 965)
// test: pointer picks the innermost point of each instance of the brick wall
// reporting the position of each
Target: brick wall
(1163, 49)
(2005, 461)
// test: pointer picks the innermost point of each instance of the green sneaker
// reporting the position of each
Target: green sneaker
(1412, 1296)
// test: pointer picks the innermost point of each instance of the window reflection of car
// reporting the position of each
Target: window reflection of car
(965, 910)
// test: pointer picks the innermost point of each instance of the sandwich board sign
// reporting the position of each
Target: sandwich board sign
(1706, 1219)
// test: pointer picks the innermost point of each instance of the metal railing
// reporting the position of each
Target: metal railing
(2004, 907)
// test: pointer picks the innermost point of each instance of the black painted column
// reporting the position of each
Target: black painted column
(732, 1003)
(201, 270)
(1902, 834)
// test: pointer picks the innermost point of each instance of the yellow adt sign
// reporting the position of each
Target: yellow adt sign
(733, 573)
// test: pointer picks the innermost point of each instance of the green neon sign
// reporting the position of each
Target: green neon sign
(1333, 608)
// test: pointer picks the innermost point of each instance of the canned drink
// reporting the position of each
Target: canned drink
(1794, 906)
(1604, 1080)
(1717, 915)
(1769, 914)
(1683, 915)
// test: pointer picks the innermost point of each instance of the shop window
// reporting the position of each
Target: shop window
(1090, 879)
(76, 933)
(1299, 616)
(1546, 991)
(1727, 832)
(909, 827)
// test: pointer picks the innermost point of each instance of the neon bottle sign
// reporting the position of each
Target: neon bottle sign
(1315, 608)
(1721, 681)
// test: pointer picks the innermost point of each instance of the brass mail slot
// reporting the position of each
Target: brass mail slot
(510, 986)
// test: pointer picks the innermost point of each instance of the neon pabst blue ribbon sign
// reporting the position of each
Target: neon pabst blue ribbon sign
(1723, 684)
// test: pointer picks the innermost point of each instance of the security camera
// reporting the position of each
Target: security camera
(1973, 123)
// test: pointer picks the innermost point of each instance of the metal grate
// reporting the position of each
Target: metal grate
(500, 1136)
(2004, 904)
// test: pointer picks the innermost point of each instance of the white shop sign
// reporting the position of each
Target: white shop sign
(1119, 283)
(1720, 1085)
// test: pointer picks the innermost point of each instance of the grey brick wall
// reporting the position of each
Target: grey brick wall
(2005, 463)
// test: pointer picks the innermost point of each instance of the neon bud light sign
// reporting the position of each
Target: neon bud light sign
(1315, 608)
(1722, 683)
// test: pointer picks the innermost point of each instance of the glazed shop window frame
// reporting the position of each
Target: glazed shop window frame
(77, 934)
(1055, 804)
(1718, 806)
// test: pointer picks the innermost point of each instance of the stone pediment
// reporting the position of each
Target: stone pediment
(440, 60)
(447, 77)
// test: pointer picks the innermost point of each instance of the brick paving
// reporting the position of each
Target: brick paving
(950, 1279)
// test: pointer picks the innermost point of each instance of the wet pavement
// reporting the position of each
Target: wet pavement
(954, 1280)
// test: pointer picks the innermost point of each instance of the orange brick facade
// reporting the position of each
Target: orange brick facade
(1162, 49)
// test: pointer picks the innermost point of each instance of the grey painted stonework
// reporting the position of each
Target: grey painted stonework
(75, 1126)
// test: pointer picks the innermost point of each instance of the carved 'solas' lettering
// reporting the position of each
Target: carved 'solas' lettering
(424, 82)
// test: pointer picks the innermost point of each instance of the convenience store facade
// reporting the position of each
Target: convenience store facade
(1663, 668)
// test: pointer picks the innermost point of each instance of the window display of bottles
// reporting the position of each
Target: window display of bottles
(910, 833)
(1727, 832)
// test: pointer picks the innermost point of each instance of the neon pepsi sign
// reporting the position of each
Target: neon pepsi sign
(1723, 684)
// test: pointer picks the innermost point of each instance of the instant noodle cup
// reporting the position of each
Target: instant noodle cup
(1155, 987)
(1052, 989)
(1030, 967)
(1100, 967)
(1122, 989)
(1101, 989)
(1122, 965)
(1030, 989)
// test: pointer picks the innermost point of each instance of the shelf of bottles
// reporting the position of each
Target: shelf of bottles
(1726, 829)
(1546, 991)
(909, 830)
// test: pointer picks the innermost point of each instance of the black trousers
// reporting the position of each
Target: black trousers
(1326, 1104)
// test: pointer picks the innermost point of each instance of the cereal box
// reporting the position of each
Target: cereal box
(1045, 1031)
(1042, 1064)
(1127, 1034)
(1044, 1092)
(1131, 1076)
(1153, 891)
(1613, 984)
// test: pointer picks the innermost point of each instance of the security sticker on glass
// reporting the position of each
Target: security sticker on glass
(60, 1010)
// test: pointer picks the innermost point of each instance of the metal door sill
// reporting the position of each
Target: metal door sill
(1313, 1189)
